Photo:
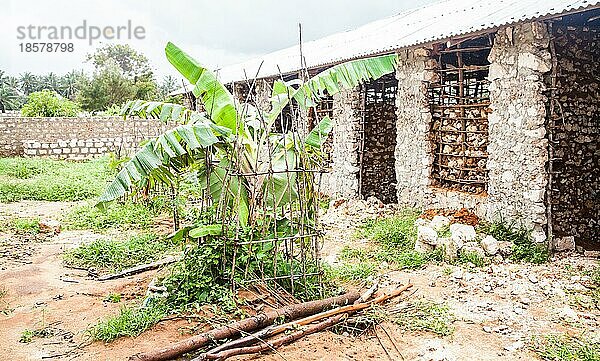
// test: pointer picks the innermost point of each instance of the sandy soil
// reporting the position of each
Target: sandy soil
(491, 323)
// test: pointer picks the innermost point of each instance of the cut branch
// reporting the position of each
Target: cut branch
(306, 326)
(266, 319)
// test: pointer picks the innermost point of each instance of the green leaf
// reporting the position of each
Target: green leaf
(154, 159)
(206, 230)
(218, 102)
(319, 134)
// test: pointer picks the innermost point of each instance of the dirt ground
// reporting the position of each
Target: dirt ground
(497, 309)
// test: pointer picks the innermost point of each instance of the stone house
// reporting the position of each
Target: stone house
(495, 107)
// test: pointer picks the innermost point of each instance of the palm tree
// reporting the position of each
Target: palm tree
(50, 82)
(70, 83)
(28, 83)
(8, 98)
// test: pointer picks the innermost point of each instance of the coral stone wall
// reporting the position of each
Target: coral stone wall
(414, 153)
(378, 175)
(575, 195)
(73, 138)
(518, 148)
(343, 180)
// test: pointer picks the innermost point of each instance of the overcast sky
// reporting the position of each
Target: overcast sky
(216, 33)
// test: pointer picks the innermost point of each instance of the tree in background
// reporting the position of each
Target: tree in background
(132, 63)
(10, 98)
(47, 103)
(28, 83)
(106, 88)
(121, 74)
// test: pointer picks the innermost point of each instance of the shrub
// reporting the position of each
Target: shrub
(47, 103)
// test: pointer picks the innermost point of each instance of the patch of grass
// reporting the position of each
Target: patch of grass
(51, 180)
(113, 256)
(21, 225)
(129, 322)
(26, 336)
(472, 257)
(351, 272)
(126, 215)
(348, 253)
(564, 347)
(424, 315)
(395, 240)
(398, 230)
(595, 275)
(524, 248)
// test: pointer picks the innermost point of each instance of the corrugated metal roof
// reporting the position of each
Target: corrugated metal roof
(438, 21)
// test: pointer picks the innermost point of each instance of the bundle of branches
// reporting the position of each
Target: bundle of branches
(261, 333)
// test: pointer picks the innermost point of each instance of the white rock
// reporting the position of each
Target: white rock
(439, 223)
(462, 232)
(561, 244)
(568, 314)
(538, 236)
(533, 278)
(427, 235)
(457, 274)
(421, 222)
(490, 245)
(514, 346)
(423, 247)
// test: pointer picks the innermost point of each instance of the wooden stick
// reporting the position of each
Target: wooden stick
(139, 269)
(277, 329)
(332, 317)
(290, 312)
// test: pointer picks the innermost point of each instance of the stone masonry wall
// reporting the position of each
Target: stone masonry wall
(378, 176)
(575, 196)
(414, 153)
(73, 138)
(343, 179)
(518, 148)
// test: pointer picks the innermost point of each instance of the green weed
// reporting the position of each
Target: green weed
(564, 347)
(21, 225)
(472, 257)
(398, 230)
(113, 298)
(351, 272)
(524, 248)
(51, 180)
(27, 335)
(127, 215)
(112, 256)
(129, 322)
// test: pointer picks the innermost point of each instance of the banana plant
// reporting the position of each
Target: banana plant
(226, 140)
